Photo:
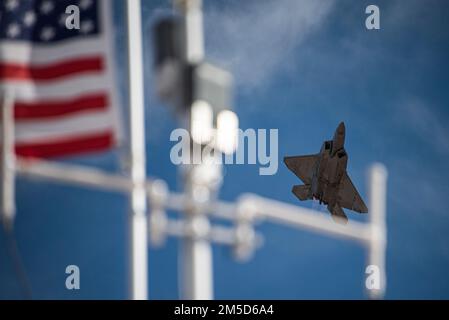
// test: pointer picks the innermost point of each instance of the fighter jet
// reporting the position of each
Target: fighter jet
(325, 178)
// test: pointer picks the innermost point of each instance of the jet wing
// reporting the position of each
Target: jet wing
(348, 196)
(302, 166)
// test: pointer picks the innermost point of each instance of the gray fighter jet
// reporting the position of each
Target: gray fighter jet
(325, 178)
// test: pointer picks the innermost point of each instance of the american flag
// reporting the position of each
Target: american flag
(62, 79)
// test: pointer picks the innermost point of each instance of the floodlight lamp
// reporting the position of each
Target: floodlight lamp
(227, 131)
(201, 122)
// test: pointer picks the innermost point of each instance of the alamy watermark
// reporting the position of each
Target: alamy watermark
(72, 20)
(373, 279)
(253, 147)
(372, 22)
(72, 282)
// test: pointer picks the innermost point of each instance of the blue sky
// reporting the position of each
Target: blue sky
(301, 67)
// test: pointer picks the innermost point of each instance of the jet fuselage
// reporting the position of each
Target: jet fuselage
(330, 168)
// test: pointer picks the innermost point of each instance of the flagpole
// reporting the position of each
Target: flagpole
(8, 161)
(138, 260)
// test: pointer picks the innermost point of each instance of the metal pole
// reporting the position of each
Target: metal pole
(201, 181)
(8, 161)
(295, 216)
(138, 259)
(377, 250)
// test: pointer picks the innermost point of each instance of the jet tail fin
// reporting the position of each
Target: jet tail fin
(302, 192)
(338, 214)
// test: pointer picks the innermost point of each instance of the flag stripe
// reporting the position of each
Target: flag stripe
(60, 107)
(25, 52)
(10, 71)
(68, 146)
(53, 129)
(28, 91)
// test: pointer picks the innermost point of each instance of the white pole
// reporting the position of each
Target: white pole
(295, 216)
(8, 161)
(201, 180)
(377, 250)
(137, 218)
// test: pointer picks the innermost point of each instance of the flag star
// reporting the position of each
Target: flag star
(11, 5)
(13, 30)
(86, 26)
(47, 33)
(85, 4)
(47, 7)
(29, 19)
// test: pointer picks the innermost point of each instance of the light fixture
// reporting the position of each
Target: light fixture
(201, 122)
(227, 131)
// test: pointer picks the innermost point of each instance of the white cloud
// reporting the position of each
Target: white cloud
(257, 39)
